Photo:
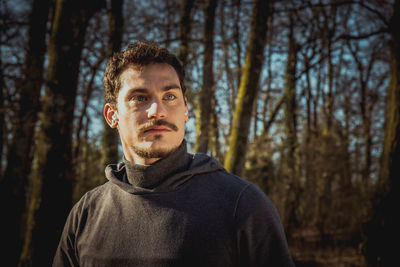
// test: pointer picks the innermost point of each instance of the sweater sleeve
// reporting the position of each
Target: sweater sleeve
(66, 254)
(261, 240)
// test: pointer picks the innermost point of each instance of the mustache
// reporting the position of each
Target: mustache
(146, 126)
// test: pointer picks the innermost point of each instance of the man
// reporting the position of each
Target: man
(163, 206)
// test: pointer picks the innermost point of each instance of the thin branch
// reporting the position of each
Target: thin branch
(361, 36)
(335, 4)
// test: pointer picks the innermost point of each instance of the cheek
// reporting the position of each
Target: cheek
(129, 125)
(132, 118)
(183, 124)
(180, 117)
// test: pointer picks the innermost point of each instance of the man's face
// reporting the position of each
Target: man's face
(151, 113)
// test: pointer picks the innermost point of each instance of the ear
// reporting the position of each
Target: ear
(110, 115)
(186, 110)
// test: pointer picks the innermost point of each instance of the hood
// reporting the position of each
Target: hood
(200, 164)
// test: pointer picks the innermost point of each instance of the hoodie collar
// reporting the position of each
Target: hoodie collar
(160, 179)
(150, 176)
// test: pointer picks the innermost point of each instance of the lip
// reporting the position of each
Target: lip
(157, 129)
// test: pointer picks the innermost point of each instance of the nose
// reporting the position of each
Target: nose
(156, 110)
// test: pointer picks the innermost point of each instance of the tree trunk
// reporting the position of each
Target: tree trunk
(116, 26)
(236, 39)
(206, 92)
(290, 104)
(315, 107)
(2, 114)
(81, 141)
(267, 93)
(329, 31)
(291, 144)
(215, 144)
(391, 141)
(381, 230)
(309, 99)
(185, 27)
(110, 138)
(53, 175)
(271, 118)
(235, 157)
(168, 23)
(88, 91)
(19, 158)
(365, 108)
(230, 79)
(328, 141)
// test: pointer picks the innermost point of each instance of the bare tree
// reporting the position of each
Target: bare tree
(185, 26)
(384, 224)
(291, 143)
(53, 174)
(110, 138)
(235, 157)
(204, 107)
(19, 157)
(2, 108)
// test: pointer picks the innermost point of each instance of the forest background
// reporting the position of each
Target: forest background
(300, 97)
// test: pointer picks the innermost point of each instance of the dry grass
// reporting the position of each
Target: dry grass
(307, 250)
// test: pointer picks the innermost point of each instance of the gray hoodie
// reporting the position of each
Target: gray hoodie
(185, 210)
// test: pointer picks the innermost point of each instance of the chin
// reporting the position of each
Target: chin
(154, 150)
(162, 141)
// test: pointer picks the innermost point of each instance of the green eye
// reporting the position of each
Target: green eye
(170, 97)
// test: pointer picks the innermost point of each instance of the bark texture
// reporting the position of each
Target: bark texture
(381, 230)
(53, 175)
(110, 138)
(2, 114)
(291, 144)
(235, 157)
(185, 27)
(204, 107)
(19, 157)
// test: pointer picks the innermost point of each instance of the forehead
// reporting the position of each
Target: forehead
(153, 74)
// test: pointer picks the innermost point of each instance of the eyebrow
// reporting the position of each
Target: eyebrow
(172, 86)
(145, 90)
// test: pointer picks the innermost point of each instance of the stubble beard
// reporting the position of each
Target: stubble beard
(151, 153)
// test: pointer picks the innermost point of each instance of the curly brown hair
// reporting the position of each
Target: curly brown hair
(138, 54)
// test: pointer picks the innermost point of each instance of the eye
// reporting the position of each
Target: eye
(169, 97)
(139, 98)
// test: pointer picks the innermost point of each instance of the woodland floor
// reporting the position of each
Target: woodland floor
(308, 252)
(328, 257)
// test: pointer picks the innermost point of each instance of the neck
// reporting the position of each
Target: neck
(131, 154)
(151, 175)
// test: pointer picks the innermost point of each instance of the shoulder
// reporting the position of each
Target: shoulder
(220, 184)
(246, 195)
(253, 202)
(250, 201)
(95, 193)
(90, 199)
(205, 166)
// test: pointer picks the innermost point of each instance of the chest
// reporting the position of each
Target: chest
(158, 231)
